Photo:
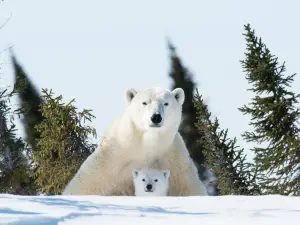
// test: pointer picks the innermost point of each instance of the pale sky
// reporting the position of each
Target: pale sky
(93, 50)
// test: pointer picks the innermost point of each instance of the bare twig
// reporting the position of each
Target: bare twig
(1, 26)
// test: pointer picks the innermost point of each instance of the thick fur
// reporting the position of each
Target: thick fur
(157, 179)
(132, 142)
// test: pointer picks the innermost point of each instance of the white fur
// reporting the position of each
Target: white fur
(157, 179)
(131, 142)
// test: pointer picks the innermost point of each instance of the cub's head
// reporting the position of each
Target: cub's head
(155, 108)
(150, 182)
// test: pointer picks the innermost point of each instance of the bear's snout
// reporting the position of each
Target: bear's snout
(149, 187)
(156, 118)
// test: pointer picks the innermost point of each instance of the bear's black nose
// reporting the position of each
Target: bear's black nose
(149, 186)
(156, 118)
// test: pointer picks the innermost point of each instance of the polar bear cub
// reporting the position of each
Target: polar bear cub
(150, 182)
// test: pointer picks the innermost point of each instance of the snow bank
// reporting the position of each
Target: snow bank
(88, 210)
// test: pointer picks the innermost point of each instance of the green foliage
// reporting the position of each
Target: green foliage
(63, 144)
(182, 78)
(15, 172)
(222, 155)
(30, 102)
(274, 117)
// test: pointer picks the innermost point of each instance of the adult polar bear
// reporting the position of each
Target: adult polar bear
(145, 135)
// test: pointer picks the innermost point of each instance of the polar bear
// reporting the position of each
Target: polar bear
(150, 182)
(145, 135)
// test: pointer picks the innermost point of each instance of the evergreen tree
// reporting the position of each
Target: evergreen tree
(30, 102)
(14, 168)
(182, 78)
(222, 155)
(274, 117)
(63, 144)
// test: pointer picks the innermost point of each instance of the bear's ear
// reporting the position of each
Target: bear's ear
(179, 95)
(135, 172)
(129, 95)
(166, 174)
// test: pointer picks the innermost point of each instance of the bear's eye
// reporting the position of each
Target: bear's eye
(155, 180)
(143, 180)
(144, 103)
(166, 104)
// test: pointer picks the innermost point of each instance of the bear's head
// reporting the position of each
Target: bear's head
(155, 109)
(150, 182)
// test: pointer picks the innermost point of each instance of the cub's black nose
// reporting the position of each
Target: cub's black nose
(149, 186)
(156, 118)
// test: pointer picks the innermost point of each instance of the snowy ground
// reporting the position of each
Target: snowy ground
(86, 210)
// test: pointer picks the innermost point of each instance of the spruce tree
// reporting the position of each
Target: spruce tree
(274, 118)
(223, 156)
(14, 168)
(182, 78)
(30, 102)
(63, 143)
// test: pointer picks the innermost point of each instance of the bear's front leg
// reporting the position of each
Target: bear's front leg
(100, 174)
(90, 179)
(184, 179)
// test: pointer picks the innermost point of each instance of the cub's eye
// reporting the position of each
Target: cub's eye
(155, 180)
(144, 103)
(166, 104)
(143, 180)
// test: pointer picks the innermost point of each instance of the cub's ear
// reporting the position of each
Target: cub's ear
(129, 95)
(135, 172)
(179, 95)
(166, 174)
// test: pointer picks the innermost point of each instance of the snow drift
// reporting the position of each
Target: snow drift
(231, 210)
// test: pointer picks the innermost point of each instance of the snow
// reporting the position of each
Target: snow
(67, 210)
